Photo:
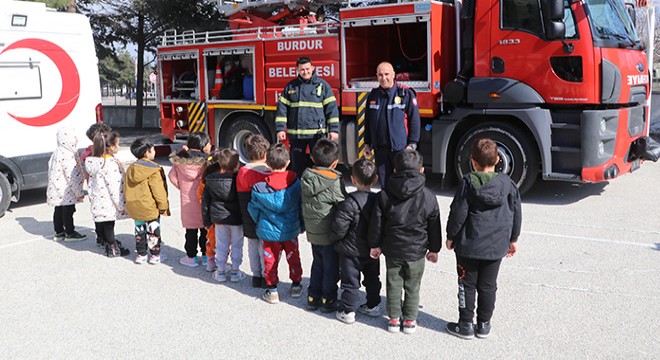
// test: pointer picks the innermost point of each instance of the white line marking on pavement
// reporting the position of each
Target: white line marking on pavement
(652, 246)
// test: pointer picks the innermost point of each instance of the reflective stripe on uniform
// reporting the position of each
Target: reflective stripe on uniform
(280, 119)
(396, 106)
(333, 120)
(329, 100)
(284, 101)
(372, 106)
(302, 104)
(306, 131)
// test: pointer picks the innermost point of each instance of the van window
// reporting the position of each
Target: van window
(20, 81)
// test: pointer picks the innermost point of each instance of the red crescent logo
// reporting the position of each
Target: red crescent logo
(70, 83)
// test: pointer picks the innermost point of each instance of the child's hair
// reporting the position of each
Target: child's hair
(228, 159)
(256, 147)
(364, 171)
(407, 159)
(96, 128)
(484, 152)
(277, 156)
(325, 152)
(140, 146)
(103, 141)
(212, 165)
(196, 141)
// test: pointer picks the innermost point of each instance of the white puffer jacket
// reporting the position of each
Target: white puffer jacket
(65, 172)
(106, 188)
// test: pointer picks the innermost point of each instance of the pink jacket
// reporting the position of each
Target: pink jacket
(185, 175)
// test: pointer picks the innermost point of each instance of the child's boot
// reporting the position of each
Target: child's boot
(115, 250)
(483, 329)
(462, 329)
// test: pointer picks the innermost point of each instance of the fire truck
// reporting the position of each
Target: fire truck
(562, 86)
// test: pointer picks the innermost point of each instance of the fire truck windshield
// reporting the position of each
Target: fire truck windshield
(610, 21)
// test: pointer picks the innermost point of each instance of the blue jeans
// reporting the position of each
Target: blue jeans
(324, 274)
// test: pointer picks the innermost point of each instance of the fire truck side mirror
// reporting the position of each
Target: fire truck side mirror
(555, 29)
(631, 12)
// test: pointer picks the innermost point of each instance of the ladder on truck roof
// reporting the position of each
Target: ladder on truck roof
(230, 7)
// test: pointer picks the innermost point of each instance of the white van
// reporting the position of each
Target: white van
(49, 79)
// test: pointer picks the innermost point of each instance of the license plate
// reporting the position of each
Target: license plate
(634, 165)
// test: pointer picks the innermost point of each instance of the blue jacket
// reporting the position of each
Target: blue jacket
(392, 118)
(275, 207)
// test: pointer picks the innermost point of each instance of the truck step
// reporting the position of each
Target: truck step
(565, 126)
(565, 149)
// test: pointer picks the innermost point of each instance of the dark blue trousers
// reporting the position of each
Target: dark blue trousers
(324, 274)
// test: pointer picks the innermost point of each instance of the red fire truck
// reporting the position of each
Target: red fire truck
(560, 85)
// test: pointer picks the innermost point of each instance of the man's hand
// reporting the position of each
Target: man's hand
(375, 253)
(333, 136)
(432, 257)
(281, 136)
(512, 249)
(367, 151)
(449, 244)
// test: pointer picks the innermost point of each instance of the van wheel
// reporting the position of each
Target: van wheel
(5, 194)
(518, 157)
(234, 135)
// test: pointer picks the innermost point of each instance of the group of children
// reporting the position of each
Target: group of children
(222, 203)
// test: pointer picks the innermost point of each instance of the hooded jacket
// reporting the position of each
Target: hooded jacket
(106, 188)
(219, 201)
(405, 222)
(65, 171)
(322, 189)
(185, 175)
(145, 189)
(485, 216)
(351, 224)
(247, 176)
(275, 207)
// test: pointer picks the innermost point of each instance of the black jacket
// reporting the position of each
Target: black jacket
(405, 221)
(219, 200)
(484, 218)
(307, 108)
(351, 224)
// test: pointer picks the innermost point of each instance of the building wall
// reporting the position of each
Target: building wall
(121, 116)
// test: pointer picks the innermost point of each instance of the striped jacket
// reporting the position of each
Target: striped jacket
(307, 108)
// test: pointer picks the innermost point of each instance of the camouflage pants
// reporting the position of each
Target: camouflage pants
(147, 236)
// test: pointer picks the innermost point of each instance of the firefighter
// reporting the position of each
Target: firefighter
(392, 121)
(307, 111)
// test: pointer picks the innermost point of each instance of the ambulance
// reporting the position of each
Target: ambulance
(48, 79)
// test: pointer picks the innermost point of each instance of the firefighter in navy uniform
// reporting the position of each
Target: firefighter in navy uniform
(306, 112)
(392, 121)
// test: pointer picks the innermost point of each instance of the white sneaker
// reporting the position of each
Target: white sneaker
(141, 259)
(373, 312)
(237, 276)
(210, 265)
(219, 276)
(346, 317)
(156, 259)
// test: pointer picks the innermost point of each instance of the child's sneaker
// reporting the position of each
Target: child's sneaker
(190, 262)
(464, 330)
(205, 260)
(99, 242)
(140, 259)
(156, 259)
(346, 317)
(373, 312)
(219, 276)
(483, 329)
(115, 250)
(394, 326)
(74, 236)
(409, 326)
(237, 275)
(210, 265)
(328, 306)
(59, 236)
(296, 290)
(312, 304)
(271, 296)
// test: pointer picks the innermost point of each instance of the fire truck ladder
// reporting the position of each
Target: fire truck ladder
(230, 7)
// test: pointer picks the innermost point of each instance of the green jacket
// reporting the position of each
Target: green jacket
(322, 189)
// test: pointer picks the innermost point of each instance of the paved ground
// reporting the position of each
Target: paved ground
(585, 284)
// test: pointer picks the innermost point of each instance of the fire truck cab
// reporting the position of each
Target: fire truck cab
(560, 85)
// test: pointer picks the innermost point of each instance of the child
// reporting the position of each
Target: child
(91, 132)
(187, 169)
(349, 230)
(275, 208)
(220, 208)
(65, 186)
(404, 225)
(483, 227)
(106, 190)
(253, 172)
(146, 200)
(210, 230)
(322, 189)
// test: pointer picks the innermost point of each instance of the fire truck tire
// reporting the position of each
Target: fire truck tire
(234, 135)
(518, 157)
(5, 194)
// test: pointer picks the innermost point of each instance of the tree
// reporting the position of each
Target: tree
(119, 71)
(117, 23)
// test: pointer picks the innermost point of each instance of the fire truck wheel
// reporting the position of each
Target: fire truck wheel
(518, 157)
(5, 194)
(234, 135)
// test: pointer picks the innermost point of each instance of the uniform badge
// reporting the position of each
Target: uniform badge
(291, 92)
(414, 101)
(397, 100)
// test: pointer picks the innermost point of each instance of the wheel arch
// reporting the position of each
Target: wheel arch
(13, 174)
(226, 117)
